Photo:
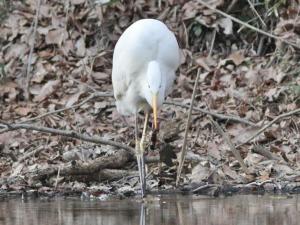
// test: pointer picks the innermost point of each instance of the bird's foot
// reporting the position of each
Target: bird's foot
(141, 167)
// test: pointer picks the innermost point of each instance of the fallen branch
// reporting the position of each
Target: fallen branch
(215, 115)
(67, 133)
(102, 172)
(230, 144)
(115, 161)
(248, 25)
(262, 151)
(183, 150)
(104, 175)
(92, 96)
(296, 111)
(202, 187)
(188, 157)
(28, 74)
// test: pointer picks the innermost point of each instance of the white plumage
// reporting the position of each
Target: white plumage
(144, 63)
(144, 41)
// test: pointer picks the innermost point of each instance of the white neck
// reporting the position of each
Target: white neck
(154, 76)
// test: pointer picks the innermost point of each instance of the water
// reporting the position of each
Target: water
(166, 210)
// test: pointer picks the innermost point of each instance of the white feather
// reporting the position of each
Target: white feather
(145, 41)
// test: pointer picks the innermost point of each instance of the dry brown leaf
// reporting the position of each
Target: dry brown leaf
(16, 51)
(56, 36)
(99, 75)
(9, 90)
(40, 73)
(73, 99)
(80, 47)
(23, 111)
(226, 24)
(230, 173)
(48, 89)
(199, 173)
(253, 159)
(253, 77)
(284, 170)
(77, 2)
(190, 10)
(201, 61)
(240, 133)
(237, 57)
(17, 168)
(273, 93)
(213, 150)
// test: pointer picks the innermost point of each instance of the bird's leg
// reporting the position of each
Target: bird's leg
(139, 157)
(136, 129)
(142, 146)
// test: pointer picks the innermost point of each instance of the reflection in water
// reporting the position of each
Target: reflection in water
(167, 210)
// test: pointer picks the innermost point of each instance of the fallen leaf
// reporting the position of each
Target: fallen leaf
(23, 111)
(213, 150)
(56, 36)
(99, 75)
(253, 159)
(273, 93)
(48, 89)
(40, 73)
(199, 173)
(231, 173)
(201, 61)
(77, 2)
(73, 99)
(16, 51)
(237, 57)
(80, 47)
(9, 90)
(226, 24)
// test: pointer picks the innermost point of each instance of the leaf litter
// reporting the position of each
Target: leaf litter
(72, 58)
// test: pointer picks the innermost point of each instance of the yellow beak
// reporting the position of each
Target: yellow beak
(154, 107)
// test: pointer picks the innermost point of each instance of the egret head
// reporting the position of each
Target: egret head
(154, 88)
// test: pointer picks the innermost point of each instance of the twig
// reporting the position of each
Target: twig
(28, 69)
(70, 134)
(249, 26)
(204, 187)
(4, 124)
(296, 111)
(256, 13)
(230, 144)
(85, 84)
(30, 154)
(190, 158)
(94, 95)
(262, 151)
(232, 4)
(212, 42)
(216, 115)
(183, 150)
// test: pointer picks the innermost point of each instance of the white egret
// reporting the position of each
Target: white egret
(144, 63)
